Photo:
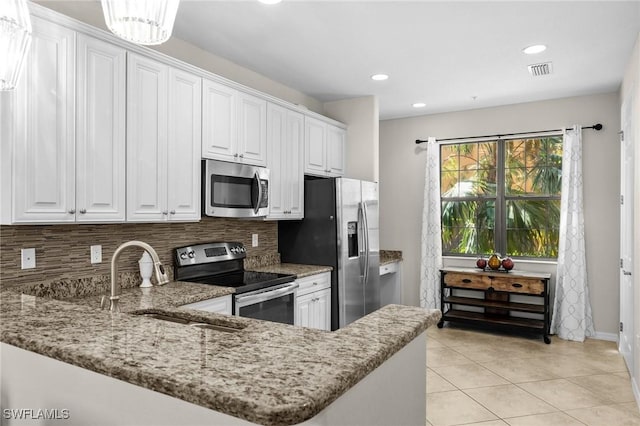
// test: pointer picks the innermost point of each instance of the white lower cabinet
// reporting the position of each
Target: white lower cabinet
(163, 142)
(220, 305)
(313, 303)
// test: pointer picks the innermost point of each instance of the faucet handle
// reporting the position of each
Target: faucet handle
(161, 275)
(103, 302)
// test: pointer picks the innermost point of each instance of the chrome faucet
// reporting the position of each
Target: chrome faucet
(161, 276)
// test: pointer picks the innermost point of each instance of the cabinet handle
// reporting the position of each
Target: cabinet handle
(172, 212)
(235, 155)
(315, 283)
(72, 211)
(165, 213)
(517, 285)
(466, 280)
(83, 211)
(241, 155)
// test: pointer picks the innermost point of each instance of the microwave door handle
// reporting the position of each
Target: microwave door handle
(256, 176)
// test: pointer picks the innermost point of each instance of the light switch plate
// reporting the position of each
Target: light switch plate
(28, 256)
(96, 254)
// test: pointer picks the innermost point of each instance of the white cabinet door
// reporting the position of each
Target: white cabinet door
(220, 305)
(146, 140)
(276, 135)
(285, 136)
(252, 130)
(336, 138)
(184, 142)
(305, 311)
(219, 122)
(323, 309)
(44, 128)
(100, 139)
(315, 144)
(294, 164)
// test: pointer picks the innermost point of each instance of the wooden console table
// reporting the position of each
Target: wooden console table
(494, 291)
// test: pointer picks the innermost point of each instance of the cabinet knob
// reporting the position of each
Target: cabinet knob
(72, 211)
(235, 155)
(165, 213)
(83, 211)
(172, 212)
(241, 155)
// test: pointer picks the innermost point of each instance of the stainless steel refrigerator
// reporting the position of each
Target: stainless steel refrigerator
(340, 229)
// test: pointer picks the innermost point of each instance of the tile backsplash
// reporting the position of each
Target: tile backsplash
(63, 251)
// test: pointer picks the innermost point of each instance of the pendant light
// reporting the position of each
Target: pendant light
(141, 21)
(15, 39)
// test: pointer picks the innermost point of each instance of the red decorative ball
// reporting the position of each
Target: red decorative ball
(507, 263)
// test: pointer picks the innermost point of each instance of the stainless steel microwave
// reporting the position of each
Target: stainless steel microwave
(234, 190)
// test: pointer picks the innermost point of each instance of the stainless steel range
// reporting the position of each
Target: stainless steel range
(262, 295)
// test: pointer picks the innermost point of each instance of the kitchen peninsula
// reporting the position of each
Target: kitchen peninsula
(168, 373)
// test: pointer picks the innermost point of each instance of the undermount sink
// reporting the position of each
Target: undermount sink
(182, 319)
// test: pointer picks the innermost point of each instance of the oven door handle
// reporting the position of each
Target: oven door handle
(266, 295)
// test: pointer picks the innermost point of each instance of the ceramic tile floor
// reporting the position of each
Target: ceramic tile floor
(480, 378)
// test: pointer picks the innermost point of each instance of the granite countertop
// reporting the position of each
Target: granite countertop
(390, 256)
(265, 373)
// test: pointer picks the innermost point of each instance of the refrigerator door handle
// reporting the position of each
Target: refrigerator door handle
(361, 243)
(366, 242)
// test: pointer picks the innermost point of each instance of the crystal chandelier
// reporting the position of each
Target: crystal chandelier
(15, 39)
(141, 21)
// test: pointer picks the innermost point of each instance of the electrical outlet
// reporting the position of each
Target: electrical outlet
(254, 240)
(28, 258)
(96, 254)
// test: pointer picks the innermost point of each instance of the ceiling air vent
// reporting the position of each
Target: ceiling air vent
(537, 70)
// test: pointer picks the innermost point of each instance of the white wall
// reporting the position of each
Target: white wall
(90, 12)
(631, 87)
(402, 183)
(361, 115)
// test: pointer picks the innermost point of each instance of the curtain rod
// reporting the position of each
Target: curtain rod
(594, 127)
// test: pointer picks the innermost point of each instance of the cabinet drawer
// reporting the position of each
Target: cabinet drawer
(389, 268)
(313, 283)
(478, 282)
(518, 285)
(221, 305)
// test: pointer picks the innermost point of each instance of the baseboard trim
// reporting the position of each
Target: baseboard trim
(611, 337)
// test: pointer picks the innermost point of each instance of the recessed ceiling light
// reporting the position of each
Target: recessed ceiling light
(270, 1)
(419, 105)
(536, 48)
(379, 77)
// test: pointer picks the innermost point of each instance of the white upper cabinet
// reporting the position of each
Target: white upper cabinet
(184, 141)
(285, 137)
(336, 146)
(219, 122)
(41, 119)
(163, 116)
(252, 129)
(100, 139)
(234, 125)
(324, 148)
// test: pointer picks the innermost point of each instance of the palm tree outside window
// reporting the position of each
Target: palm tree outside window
(501, 196)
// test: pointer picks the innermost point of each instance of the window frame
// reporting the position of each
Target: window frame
(500, 198)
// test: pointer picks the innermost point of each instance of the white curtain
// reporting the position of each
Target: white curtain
(572, 318)
(431, 250)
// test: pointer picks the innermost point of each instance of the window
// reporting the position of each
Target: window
(501, 196)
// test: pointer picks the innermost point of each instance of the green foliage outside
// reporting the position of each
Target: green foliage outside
(531, 186)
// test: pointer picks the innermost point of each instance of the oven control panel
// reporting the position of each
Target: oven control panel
(209, 253)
